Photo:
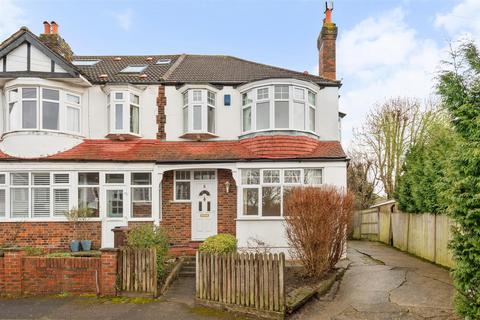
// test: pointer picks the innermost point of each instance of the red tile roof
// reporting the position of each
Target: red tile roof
(262, 147)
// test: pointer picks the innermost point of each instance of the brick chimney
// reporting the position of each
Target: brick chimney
(52, 39)
(326, 44)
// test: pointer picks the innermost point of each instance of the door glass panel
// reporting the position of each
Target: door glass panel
(115, 203)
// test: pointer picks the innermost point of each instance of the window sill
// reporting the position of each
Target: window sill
(198, 136)
(254, 218)
(272, 132)
(180, 201)
(123, 136)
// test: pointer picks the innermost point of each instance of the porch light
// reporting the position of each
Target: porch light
(227, 186)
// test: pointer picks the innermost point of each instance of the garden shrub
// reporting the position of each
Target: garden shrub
(32, 251)
(220, 243)
(316, 224)
(147, 237)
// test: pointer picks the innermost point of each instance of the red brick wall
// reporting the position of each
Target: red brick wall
(177, 216)
(161, 117)
(23, 275)
(46, 234)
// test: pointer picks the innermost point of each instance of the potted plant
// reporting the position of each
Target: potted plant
(78, 216)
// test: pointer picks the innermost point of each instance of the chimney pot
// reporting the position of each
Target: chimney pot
(46, 27)
(54, 27)
(117, 59)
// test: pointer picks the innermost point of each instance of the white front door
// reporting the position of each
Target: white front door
(115, 207)
(204, 209)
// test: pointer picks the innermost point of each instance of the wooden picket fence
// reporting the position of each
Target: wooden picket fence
(137, 271)
(247, 280)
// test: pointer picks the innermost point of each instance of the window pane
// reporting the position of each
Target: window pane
(247, 119)
(29, 114)
(286, 191)
(134, 119)
(313, 176)
(50, 115)
(271, 201)
(197, 95)
(281, 114)
(211, 98)
(29, 93)
(263, 115)
(211, 119)
(141, 178)
(118, 95)
(88, 199)
(114, 178)
(19, 202)
(141, 203)
(19, 179)
(115, 203)
(2, 202)
(250, 176)
(88, 178)
(311, 119)
(61, 178)
(41, 202)
(281, 92)
(204, 175)
(185, 98)
(73, 119)
(299, 94)
(246, 98)
(119, 116)
(50, 94)
(61, 199)
(41, 179)
(262, 93)
(182, 175)
(250, 201)
(299, 115)
(185, 119)
(311, 98)
(292, 176)
(271, 176)
(73, 99)
(2, 178)
(197, 117)
(182, 190)
(134, 98)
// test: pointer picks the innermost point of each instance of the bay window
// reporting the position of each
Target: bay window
(41, 108)
(264, 190)
(199, 111)
(123, 108)
(278, 107)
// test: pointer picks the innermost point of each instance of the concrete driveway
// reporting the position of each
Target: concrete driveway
(383, 283)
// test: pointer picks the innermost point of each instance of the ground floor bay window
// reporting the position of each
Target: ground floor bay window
(262, 191)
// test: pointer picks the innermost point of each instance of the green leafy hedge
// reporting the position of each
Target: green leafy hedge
(220, 243)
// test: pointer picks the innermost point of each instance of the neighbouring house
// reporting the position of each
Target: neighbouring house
(198, 144)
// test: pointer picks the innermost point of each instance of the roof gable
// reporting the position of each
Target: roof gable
(33, 58)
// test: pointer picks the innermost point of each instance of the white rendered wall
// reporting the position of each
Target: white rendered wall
(327, 114)
(17, 59)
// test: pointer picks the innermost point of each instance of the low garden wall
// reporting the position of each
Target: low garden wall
(39, 275)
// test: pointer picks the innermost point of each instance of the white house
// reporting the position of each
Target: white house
(199, 144)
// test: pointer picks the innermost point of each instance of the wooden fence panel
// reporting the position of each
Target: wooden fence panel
(443, 256)
(400, 230)
(369, 224)
(421, 235)
(249, 280)
(138, 271)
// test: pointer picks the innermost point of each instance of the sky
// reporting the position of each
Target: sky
(385, 48)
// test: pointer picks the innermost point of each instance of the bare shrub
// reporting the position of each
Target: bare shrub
(316, 223)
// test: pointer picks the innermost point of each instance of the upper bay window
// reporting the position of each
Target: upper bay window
(41, 108)
(278, 107)
(123, 112)
(199, 111)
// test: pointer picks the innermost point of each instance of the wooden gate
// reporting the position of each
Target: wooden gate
(246, 281)
(137, 272)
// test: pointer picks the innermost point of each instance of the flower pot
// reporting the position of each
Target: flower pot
(75, 245)
(86, 245)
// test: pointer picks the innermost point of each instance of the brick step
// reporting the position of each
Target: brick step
(188, 269)
(187, 273)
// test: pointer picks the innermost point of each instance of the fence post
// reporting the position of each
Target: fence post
(108, 272)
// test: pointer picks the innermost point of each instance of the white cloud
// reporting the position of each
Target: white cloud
(12, 18)
(383, 57)
(124, 19)
(463, 19)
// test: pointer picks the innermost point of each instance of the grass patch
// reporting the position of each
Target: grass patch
(209, 312)
(93, 299)
(59, 255)
(32, 251)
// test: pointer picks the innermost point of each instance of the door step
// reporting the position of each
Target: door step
(189, 267)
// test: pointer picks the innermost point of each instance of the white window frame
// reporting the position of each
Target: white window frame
(141, 186)
(282, 184)
(204, 103)
(190, 180)
(125, 102)
(251, 98)
(16, 124)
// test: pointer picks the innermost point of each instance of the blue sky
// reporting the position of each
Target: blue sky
(385, 47)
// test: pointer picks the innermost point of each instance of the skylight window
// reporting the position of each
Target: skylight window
(134, 68)
(85, 62)
(164, 61)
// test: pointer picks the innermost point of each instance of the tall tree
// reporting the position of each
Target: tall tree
(389, 131)
(361, 180)
(459, 88)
